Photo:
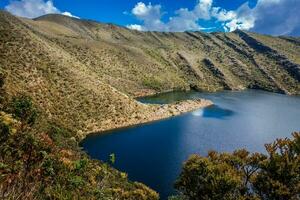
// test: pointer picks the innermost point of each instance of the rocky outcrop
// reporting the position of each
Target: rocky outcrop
(292, 68)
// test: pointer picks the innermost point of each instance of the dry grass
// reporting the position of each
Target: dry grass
(83, 74)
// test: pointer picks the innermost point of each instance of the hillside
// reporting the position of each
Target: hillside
(84, 75)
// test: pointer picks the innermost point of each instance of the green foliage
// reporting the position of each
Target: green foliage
(23, 109)
(279, 177)
(112, 158)
(4, 132)
(2, 92)
(152, 82)
(242, 175)
(48, 165)
(2, 80)
(62, 137)
(80, 164)
(76, 181)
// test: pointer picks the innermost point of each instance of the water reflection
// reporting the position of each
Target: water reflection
(153, 153)
(216, 112)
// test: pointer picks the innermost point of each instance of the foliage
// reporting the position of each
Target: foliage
(279, 177)
(2, 80)
(152, 82)
(62, 137)
(2, 92)
(48, 164)
(4, 130)
(112, 158)
(242, 175)
(22, 109)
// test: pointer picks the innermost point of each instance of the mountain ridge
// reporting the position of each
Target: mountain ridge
(85, 74)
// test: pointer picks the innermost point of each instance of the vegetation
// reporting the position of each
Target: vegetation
(2, 92)
(241, 175)
(82, 75)
(48, 164)
(66, 77)
(23, 110)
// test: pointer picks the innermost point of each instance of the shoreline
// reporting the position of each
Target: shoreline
(155, 112)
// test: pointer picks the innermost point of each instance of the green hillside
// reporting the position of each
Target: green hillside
(82, 76)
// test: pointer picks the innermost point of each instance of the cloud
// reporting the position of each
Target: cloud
(33, 8)
(242, 19)
(277, 17)
(69, 15)
(150, 15)
(202, 9)
(222, 14)
(184, 19)
(135, 27)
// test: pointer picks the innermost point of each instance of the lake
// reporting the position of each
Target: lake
(153, 153)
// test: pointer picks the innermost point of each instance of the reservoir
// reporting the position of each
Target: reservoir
(153, 153)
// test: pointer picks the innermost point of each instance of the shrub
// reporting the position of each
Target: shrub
(4, 132)
(38, 164)
(2, 80)
(2, 92)
(23, 109)
(152, 82)
(242, 175)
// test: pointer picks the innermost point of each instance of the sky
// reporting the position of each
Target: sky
(275, 17)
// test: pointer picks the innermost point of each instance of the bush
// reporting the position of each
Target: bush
(152, 82)
(2, 80)
(2, 92)
(242, 175)
(39, 164)
(4, 132)
(22, 108)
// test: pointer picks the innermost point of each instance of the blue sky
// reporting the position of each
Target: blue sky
(276, 17)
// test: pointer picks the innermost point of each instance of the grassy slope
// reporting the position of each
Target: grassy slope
(61, 85)
(82, 74)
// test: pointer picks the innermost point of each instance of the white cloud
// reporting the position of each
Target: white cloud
(203, 9)
(69, 15)
(33, 8)
(135, 27)
(222, 15)
(183, 20)
(276, 17)
(150, 15)
(242, 19)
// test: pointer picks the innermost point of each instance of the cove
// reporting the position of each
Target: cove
(153, 153)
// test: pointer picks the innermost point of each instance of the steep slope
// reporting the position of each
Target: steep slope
(84, 74)
(66, 83)
(144, 62)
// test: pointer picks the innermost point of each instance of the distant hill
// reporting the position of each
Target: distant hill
(84, 74)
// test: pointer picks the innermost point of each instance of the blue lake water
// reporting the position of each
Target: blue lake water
(153, 153)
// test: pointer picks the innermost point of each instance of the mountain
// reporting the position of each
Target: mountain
(85, 75)
(82, 76)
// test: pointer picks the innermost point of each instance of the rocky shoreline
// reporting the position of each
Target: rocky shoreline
(155, 112)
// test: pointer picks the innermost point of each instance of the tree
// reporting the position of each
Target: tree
(279, 176)
(242, 175)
